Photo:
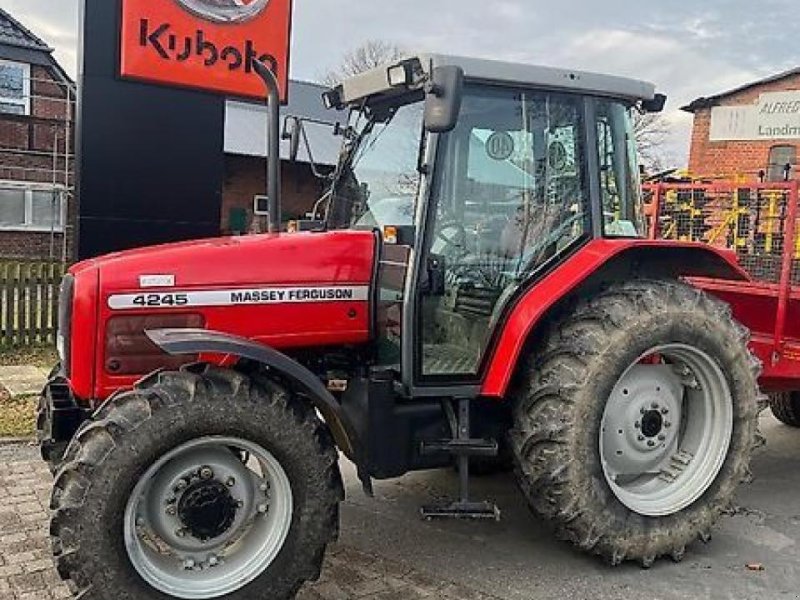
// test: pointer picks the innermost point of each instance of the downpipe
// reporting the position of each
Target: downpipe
(273, 145)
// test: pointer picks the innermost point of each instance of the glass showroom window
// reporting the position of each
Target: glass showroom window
(40, 209)
(15, 88)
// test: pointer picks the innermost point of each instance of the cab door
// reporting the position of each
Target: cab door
(508, 198)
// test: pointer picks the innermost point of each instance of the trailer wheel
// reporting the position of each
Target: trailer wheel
(197, 484)
(786, 407)
(635, 422)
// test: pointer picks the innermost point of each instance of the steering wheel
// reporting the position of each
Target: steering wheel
(456, 238)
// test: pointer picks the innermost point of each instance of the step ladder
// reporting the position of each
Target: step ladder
(463, 448)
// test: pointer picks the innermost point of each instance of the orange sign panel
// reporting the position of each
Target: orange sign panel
(206, 44)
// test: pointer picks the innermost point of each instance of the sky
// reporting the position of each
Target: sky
(689, 48)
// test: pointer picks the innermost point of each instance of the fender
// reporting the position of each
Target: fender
(203, 341)
(598, 262)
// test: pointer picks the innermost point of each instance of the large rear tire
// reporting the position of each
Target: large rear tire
(201, 484)
(786, 407)
(635, 422)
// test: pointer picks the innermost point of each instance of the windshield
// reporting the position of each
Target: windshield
(377, 179)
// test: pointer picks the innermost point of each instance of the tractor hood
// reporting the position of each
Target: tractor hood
(340, 256)
(287, 291)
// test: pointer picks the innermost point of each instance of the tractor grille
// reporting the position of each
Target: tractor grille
(63, 336)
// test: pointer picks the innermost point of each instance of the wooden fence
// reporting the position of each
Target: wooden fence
(29, 302)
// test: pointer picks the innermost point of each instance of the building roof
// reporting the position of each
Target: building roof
(375, 82)
(705, 102)
(20, 44)
(246, 125)
(14, 33)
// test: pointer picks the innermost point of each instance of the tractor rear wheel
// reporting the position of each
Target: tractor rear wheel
(635, 422)
(201, 484)
(786, 407)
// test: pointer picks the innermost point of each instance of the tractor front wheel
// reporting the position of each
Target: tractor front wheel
(635, 422)
(200, 484)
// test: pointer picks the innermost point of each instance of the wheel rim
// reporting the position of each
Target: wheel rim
(666, 430)
(208, 518)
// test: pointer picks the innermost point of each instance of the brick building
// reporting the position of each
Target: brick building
(749, 133)
(246, 151)
(36, 137)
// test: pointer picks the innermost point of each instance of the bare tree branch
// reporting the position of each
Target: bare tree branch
(371, 54)
(651, 131)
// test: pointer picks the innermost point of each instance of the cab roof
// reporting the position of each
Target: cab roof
(375, 82)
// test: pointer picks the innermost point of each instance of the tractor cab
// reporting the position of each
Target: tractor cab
(483, 176)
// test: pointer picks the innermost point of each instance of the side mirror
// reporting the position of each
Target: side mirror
(444, 93)
(292, 131)
(656, 105)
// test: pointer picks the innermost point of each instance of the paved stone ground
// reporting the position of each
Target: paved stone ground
(22, 380)
(26, 571)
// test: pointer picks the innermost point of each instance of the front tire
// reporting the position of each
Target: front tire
(635, 422)
(199, 484)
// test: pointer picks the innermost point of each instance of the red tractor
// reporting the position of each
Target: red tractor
(475, 288)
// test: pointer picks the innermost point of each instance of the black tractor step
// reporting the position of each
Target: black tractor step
(461, 447)
(462, 510)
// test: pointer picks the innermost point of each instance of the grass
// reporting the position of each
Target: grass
(44, 357)
(18, 415)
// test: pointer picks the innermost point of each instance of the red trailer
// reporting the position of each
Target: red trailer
(759, 223)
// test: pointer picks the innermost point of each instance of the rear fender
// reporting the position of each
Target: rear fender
(596, 264)
(203, 341)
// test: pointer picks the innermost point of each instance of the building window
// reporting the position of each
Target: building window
(779, 157)
(31, 209)
(15, 88)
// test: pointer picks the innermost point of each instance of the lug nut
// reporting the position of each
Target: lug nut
(213, 561)
(171, 511)
(231, 482)
(654, 405)
(140, 521)
(651, 443)
(637, 425)
(640, 438)
(239, 504)
(264, 487)
(642, 410)
(662, 437)
(206, 473)
(188, 564)
(262, 508)
(181, 485)
(180, 532)
(664, 411)
(667, 424)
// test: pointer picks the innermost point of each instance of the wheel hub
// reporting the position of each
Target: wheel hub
(207, 509)
(652, 423)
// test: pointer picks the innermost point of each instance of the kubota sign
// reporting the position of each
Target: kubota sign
(206, 44)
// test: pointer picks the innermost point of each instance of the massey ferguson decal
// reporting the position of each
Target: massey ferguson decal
(239, 297)
(206, 44)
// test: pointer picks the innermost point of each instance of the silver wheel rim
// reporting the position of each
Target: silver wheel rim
(170, 546)
(666, 430)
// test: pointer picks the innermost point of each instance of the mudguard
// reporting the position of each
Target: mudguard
(598, 262)
(203, 341)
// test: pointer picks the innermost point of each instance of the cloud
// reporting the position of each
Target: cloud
(689, 49)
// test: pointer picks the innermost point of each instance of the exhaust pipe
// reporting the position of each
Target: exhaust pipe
(273, 145)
